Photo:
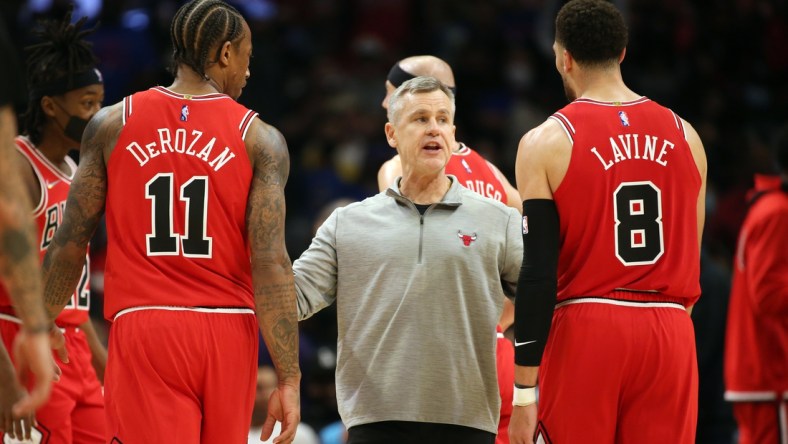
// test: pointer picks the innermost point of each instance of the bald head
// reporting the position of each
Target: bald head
(427, 65)
(416, 66)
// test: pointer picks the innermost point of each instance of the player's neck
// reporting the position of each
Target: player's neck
(605, 86)
(188, 81)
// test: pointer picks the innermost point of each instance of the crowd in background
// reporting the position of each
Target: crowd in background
(318, 72)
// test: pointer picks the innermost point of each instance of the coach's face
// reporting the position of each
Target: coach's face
(422, 131)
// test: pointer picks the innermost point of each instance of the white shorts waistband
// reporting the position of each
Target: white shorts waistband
(620, 303)
(9, 318)
(217, 310)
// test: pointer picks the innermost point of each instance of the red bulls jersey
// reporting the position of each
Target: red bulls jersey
(475, 173)
(756, 343)
(48, 215)
(179, 178)
(627, 205)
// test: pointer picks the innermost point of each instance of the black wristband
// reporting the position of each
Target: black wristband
(523, 386)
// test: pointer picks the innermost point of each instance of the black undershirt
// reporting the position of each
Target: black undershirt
(422, 208)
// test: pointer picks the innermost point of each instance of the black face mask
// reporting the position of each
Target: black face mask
(75, 125)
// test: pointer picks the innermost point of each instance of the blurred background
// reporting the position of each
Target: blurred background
(318, 75)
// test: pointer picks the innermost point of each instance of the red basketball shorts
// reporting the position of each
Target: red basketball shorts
(181, 376)
(619, 374)
(762, 422)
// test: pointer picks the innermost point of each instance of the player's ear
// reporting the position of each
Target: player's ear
(48, 106)
(224, 53)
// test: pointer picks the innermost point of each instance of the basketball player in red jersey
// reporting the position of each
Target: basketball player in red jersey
(477, 174)
(66, 90)
(192, 183)
(613, 187)
(19, 271)
(756, 340)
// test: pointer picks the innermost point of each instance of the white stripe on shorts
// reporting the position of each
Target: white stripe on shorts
(177, 308)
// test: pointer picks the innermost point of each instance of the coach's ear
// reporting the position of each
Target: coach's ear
(390, 137)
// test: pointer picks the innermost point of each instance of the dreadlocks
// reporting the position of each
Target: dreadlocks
(54, 66)
(199, 26)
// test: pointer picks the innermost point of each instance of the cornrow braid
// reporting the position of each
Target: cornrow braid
(199, 26)
(61, 53)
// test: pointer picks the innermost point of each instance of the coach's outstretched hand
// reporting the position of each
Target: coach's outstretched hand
(284, 406)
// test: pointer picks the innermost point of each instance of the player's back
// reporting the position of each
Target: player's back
(473, 172)
(628, 204)
(178, 182)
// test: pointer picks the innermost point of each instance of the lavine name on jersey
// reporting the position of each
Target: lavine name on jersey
(629, 146)
(190, 145)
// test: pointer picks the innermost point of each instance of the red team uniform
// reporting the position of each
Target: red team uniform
(628, 266)
(475, 173)
(75, 410)
(756, 345)
(183, 359)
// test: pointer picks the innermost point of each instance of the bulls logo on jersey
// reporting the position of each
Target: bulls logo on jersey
(54, 216)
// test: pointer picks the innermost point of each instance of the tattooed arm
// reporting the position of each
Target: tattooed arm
(85, 205)
(18, 255)
(272, 273)
(21, 273)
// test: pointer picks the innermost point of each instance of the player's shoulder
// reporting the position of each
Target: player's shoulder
(108, 118)
(545, 136)
(265, 139)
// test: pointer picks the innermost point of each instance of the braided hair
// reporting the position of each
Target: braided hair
(61, 54)
(199, 26)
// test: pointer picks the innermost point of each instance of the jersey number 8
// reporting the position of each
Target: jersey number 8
(638, 214)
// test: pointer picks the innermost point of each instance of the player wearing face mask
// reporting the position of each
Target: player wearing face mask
(66, 90)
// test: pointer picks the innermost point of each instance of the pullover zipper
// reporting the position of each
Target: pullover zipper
(421, 234)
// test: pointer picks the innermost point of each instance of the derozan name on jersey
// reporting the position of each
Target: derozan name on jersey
(629, 147)
(181, 144)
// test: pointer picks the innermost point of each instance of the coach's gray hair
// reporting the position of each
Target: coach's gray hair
(416, 85)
